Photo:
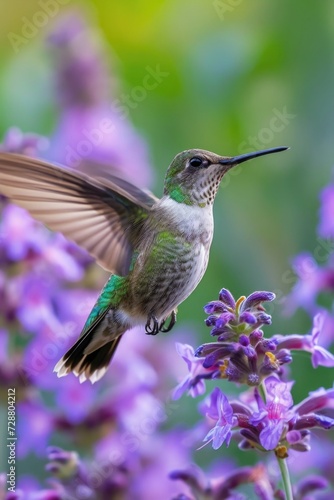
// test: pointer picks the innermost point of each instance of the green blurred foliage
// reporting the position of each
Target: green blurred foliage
(230, 65)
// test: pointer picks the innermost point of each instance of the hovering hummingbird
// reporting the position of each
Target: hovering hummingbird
(157, 249)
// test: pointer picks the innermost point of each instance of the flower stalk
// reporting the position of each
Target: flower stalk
(282, 462)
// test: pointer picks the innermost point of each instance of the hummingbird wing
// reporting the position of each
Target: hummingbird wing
(102, 215)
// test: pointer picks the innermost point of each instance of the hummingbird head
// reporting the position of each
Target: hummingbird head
(194, 175)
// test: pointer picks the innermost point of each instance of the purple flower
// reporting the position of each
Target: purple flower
(227, 298)
(318, 400)
(226, 485)
(317, 461)
(28, 489)
(310, 484)
(310, 343)
(12, 372)
(214, 307)
(195, 478)
(273, 414)
(158, 458)
(75, 480)
(230, 318)
(35, 429)
(119, 146)
(326, 224)
(241, 362)
(16, 141)
(62, 318)
(312, 279)
(33, 294)
(255, 299)
(42, 312)
(82, 78)
(274, 424)
(241, 354)
(21, 236)
(194, 381)
(218, 408)
(216, 352)
(62, 463)
(124, 453)
(279, 425)
(93, 130)
(57, 258)
(75, 401)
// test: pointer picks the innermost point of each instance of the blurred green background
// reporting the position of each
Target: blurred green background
(233, 66)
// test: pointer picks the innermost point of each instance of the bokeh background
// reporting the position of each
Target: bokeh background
(236, 76)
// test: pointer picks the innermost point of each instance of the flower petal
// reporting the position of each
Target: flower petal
(271, 434)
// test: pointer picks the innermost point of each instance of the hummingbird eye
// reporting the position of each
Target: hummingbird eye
(196, 162)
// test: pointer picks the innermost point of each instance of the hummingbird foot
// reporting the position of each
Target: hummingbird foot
(172, 321)
(152, 326)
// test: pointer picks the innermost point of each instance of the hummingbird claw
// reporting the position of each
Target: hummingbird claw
(152, 325)
(170, 325)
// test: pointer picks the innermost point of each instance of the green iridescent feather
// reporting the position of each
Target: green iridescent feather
(112, 293)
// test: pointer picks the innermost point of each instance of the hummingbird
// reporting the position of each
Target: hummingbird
(157, 249)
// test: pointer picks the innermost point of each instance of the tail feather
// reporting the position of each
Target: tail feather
(90, 366)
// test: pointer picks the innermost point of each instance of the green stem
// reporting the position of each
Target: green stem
(285, 477)
(263, 392)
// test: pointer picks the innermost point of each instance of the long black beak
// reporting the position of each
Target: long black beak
(235, 160)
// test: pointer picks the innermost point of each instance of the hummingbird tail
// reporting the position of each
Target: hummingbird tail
(90, 366)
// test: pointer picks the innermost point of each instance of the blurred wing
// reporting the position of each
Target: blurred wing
(101, 172)
(101, 215)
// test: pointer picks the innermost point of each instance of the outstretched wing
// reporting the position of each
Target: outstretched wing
(101, 215)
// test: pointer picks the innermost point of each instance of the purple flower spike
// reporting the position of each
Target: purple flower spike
(82, 77)
(93, 131)
(246, 314)
(241, 352)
